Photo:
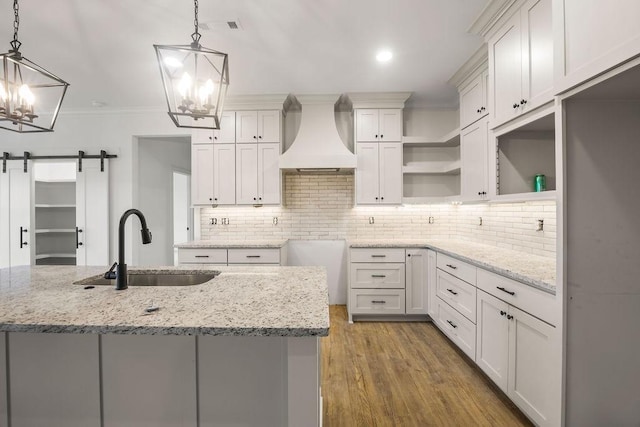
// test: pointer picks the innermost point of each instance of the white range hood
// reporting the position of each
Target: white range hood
(318, 146)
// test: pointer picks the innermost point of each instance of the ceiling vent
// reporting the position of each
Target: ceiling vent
(232, 24)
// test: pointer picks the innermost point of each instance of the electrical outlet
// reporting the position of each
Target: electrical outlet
(372, 220)
(275, 220)
(480, 220)
(540, 226)
(225, 221)
(214, 221)
(432, 220)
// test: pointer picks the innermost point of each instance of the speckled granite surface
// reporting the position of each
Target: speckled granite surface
(250, 244)
(536, 271)
(242, 300)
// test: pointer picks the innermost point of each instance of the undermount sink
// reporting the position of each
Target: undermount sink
(156, 279)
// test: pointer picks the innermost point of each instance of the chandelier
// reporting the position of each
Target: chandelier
(27, 91)
(195, 81)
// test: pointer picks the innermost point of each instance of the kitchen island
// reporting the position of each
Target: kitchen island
(241, 349)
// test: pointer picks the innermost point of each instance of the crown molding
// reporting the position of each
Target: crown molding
(378, 99)
(477, 62)
(490, 16)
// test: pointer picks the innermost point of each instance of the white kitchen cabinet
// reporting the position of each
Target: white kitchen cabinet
(233, 256)
(492, 338)
(257, 174)
(377, 275)
(474, 154)
(202, 174)
(258, 126)
(132, 365)
(54, 380)
(457, 293)
(379, 173)
(16, 195)
(224, 174)
(513, 348)
(416, 281)
(521, 62)
(375, 125)
(201, 136)
(458, 328)
(474, 100)
(92, 213)
(227, 132)
(592, 36)
(431, 279)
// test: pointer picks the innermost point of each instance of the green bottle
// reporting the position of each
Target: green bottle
(540, 183)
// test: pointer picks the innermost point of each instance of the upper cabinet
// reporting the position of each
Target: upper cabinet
(591, 37)
(474, 99)
(375, 125)
(379, 173)
(474, 158)
(225, 135)
(521, 62)
(258, 126)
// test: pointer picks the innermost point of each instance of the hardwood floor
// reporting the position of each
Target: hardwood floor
(404, 374)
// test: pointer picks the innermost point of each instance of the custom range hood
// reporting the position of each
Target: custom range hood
(318, 146)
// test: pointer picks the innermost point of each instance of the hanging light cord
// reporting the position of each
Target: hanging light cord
(15, 44)
(196, 34)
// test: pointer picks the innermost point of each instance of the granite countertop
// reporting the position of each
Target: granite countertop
(242, 301)
(249, 244)
(533, 270)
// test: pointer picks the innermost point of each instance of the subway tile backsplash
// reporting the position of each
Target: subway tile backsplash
(322, 207)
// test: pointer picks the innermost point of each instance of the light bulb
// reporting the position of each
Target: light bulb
(184, 86)
(203, 93)
(26, 95)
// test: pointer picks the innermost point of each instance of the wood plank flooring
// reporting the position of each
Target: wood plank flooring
(404, 374)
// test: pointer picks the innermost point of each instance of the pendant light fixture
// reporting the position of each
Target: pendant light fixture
(195, 81)
(30, 96)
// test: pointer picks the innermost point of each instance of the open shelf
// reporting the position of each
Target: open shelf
(452, 139)
(433, 168)
(55, 255)
(49, 205)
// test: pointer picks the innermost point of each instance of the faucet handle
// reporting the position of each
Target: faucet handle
(111, 274)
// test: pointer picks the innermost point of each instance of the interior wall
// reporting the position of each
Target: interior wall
(157, 159)
(602, 253)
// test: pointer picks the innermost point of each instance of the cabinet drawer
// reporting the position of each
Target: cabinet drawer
(376, 301)
(377, 275)
(534, 301)
(460, 269)
(202, 256)
(457, 293)
(377, 255)
(254, 256)
(457, 327)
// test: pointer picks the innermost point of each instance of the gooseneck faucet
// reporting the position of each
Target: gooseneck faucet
(121, 270)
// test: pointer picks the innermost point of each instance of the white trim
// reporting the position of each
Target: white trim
(378, 99)
(490, 17)
(474, 66)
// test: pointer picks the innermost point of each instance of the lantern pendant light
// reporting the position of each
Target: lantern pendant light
(195, 81)
(30, 96)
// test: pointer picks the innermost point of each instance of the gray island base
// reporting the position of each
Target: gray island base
(240, 350)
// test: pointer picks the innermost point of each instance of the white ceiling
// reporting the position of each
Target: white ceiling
(103, 48)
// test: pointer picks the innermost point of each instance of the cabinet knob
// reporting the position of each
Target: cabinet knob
(482, 108)
(210, 199)
(524, 101)
(408, 254)
(516, 106)
(502, 313)
(254, 137)
(259, 198)
(376, 136)
(509, 316)
(216, 199)
(254, 198)
(376, 198)
(381, 136)
(259, 136)
(479, 193)
(215, 137)
(479, 110)
(381, 198)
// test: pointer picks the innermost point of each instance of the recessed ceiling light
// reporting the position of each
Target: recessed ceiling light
(384, 56)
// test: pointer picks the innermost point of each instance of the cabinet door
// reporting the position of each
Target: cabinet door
(4, 422)
(367, 178)
(246, 174)
(505, 62)
(149, 380)
(227, 132)
(390, 124)
(268, 174)
(531, 369)
(472, 102)
(246, 126)
(416, 281)
(537, 48)
(92, 213)
(367, 125)
(269, 126)
(390, 162)
(201, 136)
(224, 174)
(202, 174)
(15, 214)
(492, 338)
(54, 380)
(474, 161)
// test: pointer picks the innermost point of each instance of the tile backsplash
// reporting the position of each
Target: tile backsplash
(318, 206)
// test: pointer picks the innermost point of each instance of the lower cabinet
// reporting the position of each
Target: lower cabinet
(514, 349)
(388, 281)
(458, 328)
(232, 256)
